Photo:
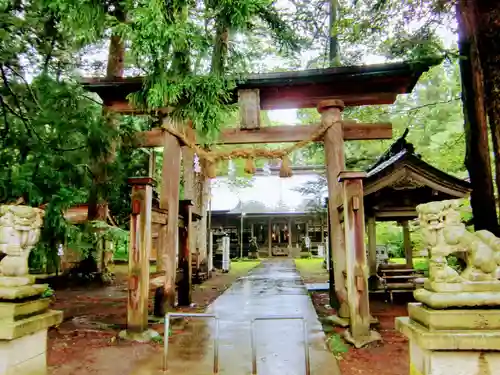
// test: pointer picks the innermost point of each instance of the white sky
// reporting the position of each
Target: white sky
(269, 190)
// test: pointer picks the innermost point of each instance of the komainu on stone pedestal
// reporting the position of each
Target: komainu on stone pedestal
(455, 327)
(19, 233)
(24, 315)
(445, 234)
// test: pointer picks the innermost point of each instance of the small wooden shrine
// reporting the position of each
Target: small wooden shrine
(396, 184)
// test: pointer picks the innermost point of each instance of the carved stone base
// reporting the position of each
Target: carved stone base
(25, 355)
(476, 286)
(472, 319)
(443, 300)
(22, 292)
(23, 336)
(11, 311)
(360, 342)
(457, 352)
(20, 287)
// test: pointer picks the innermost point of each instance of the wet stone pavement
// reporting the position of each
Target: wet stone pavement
(273, 288)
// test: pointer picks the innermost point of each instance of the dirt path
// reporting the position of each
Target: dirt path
(85, 343)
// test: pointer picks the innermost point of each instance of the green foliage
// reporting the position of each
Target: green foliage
(169, 44)
(336, 345)
(391, 235)
(48, 293)
(432, 112)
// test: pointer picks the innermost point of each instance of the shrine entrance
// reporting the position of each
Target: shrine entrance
(329, 90)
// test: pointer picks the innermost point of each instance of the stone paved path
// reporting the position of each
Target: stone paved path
(273, 288)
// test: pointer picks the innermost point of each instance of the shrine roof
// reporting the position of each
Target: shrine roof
(400, 180)
(402, 158)
(355, 85)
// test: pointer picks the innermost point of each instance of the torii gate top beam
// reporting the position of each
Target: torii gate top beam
(354, 85)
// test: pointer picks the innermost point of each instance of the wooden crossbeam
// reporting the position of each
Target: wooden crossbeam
(278, 134)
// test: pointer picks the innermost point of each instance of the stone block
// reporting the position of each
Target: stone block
(10, 330)
(25, 355)
(444, 300)
(430, 362)
(17, 280)
(14, 311)
(459, 340)
(34, 366)
(472, 319)
(466, 286)
(22, 291)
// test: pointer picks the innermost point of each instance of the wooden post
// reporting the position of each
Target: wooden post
(269, 237)
(209, 217)
(252, 230)
(335, 163)
(185, 256)
(407, 244)
(356, 272)
(139, 251)
(290, 234)
(190, 194)
(203, 211)
(169, 200)
(210, 261)
(372, 244)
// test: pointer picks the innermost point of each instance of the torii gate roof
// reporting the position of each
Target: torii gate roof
(355, 85)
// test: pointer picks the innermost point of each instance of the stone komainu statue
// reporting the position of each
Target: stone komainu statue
(19, 233)
(445, 234)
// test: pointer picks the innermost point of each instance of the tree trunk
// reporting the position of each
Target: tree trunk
(334, 56)
(97, 202)
(488, 40)
(477, 158)
(97, 205)
(220, 48)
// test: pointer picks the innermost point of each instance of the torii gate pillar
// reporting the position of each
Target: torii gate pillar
(345, 191)
(335, 163)
(138, 265)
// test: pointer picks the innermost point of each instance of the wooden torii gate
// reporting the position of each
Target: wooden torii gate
(329, 90)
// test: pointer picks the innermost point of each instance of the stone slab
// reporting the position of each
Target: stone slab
(448, 340)
(22, 292)
(472, 286)
(268, 290)
(16, 310)
(10, 281)
(14, 352)
(34, 366)
(457, 319)
(14, 329)
(441, 300)
(430, 362)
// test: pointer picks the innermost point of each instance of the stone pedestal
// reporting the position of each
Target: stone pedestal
(455, 329)
(452, 341)
(24, 320)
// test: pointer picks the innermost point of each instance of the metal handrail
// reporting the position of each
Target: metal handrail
(192, 315)
(279, 317)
